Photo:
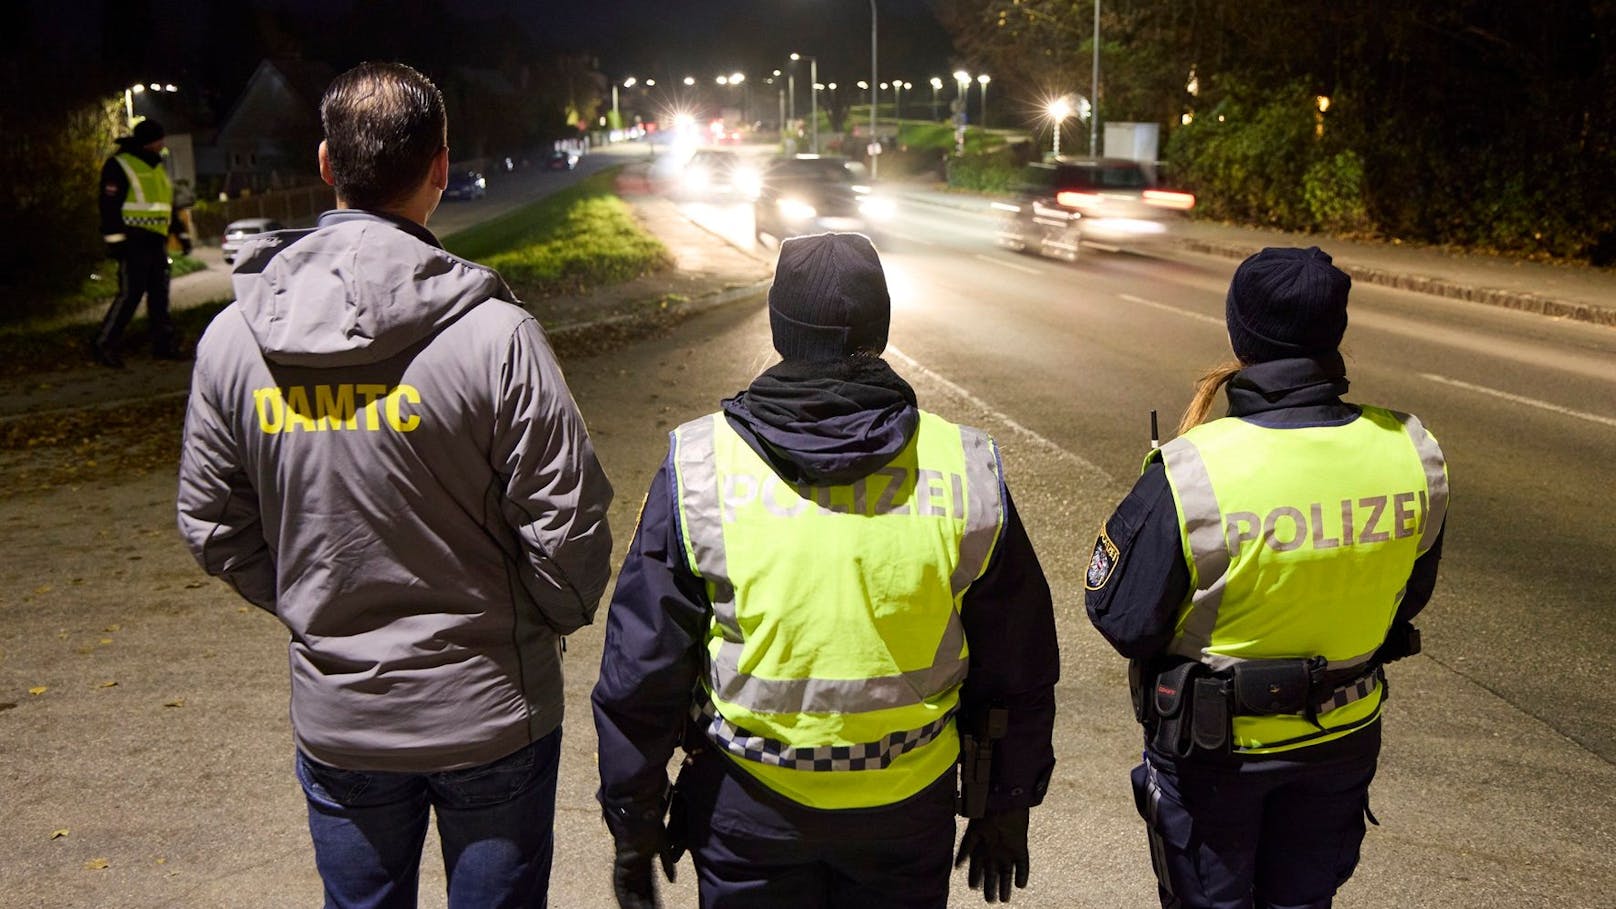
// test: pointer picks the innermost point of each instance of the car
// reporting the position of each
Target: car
(1064, 204)
(712, 175)
(237, 232)
(806, 194)
(466, 184)
(561, 159)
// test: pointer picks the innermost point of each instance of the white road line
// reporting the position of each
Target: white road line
(1001, 416)
(1026, 270)
(908, 239)
(1518, 399)
(1174, 309)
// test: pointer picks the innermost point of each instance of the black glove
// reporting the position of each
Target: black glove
(997, 848)
(639, 844)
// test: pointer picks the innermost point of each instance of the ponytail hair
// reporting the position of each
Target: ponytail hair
(1206, 389)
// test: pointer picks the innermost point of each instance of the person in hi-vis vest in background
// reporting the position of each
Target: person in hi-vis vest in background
(137, 211)
(1262, 571)
(829, 603)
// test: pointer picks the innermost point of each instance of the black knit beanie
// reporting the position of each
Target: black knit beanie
(146, 132)
(1286, 302)
(829, 298)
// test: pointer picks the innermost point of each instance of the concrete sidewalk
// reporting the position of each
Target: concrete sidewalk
(1566, 291)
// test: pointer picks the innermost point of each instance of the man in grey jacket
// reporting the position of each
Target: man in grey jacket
(381, 451)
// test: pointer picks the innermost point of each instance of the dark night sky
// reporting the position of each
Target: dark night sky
(665, 39)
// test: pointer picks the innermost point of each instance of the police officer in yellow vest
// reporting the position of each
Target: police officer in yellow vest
(828, 601)
(137, 210)
(1260, 574)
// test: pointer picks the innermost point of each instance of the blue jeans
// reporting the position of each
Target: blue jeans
(495, 822)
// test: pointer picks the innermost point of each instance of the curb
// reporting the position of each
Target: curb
(574, 330)
(1439, 287)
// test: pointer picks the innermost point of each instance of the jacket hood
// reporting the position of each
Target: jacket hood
(359, 288)
(826, 422)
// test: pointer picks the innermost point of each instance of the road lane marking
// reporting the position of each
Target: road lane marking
(1026, 270)
(909, 239)
(1001, 416)
(1519, 399)
(1174, 309)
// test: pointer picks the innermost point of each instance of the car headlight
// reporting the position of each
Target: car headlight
(877, 208)
(795, 210)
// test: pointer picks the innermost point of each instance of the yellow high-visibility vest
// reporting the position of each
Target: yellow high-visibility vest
(149, 203)
(1299, 542)
(836, 650)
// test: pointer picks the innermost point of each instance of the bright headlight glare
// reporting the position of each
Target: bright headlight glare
(796, 210)
(877, 207)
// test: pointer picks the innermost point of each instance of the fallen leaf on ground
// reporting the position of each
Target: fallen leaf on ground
(43, 588)
(38, 690)
(96, 864)
(109, 683)
(58, 834)
(111, 628)
(177, 702)
(106, 640)
(193, 585)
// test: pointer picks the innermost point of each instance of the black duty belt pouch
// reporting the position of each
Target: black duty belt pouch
(1210, 729)
(1138, 679)
(1267, 687)
(1172, 697)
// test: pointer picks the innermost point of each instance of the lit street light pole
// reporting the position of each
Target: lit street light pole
(813, 95)
(875, 147)
(983, 81)
(962, 80)
(936, 86)
(1094, 90)
(1058, 111)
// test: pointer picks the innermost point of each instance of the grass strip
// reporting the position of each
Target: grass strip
(569, 242)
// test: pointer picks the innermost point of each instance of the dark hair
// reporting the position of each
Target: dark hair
(384, 123)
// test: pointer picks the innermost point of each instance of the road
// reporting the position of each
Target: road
(153, 765)
(1503, 716)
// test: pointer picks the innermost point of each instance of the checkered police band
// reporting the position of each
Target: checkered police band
(868, 756)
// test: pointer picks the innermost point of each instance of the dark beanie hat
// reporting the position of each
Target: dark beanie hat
(829, 298)
(146, 132)
(1286, 302)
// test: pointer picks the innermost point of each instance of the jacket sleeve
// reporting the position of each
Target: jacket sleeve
(556, 493)
(1009, 620)
(218, 508)
(1138, 577)
(655, 627)
(111, 191)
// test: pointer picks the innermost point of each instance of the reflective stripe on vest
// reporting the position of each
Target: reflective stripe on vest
(149, 203)
(874, 655)
(1303, 550)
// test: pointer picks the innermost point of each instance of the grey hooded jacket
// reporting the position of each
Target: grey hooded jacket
(380, 449)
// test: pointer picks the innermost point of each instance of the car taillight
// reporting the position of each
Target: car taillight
(1167, 198)
(1074, 199)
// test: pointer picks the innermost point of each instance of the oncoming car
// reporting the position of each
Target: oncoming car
(1110, 202)
(808, 194)
(237, 232)
(466, 184)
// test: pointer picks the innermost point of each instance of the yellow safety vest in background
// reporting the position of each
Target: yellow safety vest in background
(836, 650)
(1300, 542)
(149, 203)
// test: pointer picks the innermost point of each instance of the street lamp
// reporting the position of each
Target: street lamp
(962, 80)
(137, 89)
(983, 81)
(813, 94)
(630, 82)
(1058, 111)
(936, 86)
(875, 147)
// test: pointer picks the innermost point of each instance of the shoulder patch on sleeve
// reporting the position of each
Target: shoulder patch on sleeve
(1102, 562)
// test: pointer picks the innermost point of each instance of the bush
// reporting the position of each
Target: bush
(52, 164)
(1334, 191)
(992, 172)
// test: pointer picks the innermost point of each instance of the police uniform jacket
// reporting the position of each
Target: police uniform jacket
(810, 427)
(381, 450)
(1135, 594)
(115, 187)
